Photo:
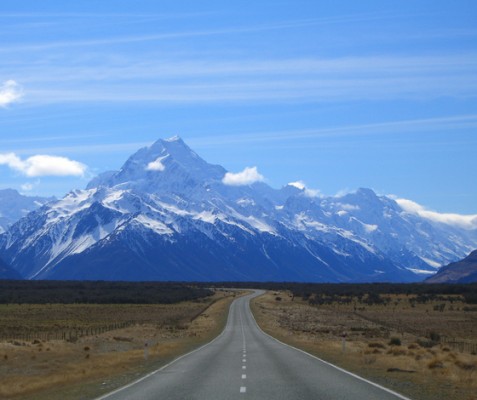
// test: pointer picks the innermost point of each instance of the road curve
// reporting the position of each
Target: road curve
(245, 363)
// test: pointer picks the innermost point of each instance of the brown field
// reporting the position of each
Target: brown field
(80, 351)
(418, 367)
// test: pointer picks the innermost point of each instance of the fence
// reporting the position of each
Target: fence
(463, 347)
(69, 334)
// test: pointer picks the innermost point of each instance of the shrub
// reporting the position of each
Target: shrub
(435, 364)
(377, 345)
(427, 344)
(395, 341)
(397, 351)
(468, 366)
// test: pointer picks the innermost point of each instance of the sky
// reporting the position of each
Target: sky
(337, 95)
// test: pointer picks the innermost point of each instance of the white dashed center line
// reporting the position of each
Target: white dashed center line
(243, 389)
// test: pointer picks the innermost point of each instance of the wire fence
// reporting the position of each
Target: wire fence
(463, 347)
(68, 333)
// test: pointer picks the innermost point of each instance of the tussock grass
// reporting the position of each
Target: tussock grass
(57, 369)
(377, 345)
(420, 368)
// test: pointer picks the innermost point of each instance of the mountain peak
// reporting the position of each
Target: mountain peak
(163, 165)
(174, 138)
(366, 192)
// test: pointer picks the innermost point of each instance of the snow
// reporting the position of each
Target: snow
(72, 203)
(154, 225)
(302, 222)
(174, 138)
(430, 262)
(348, 207)
(259, 225)
(245, 202)
(252, 221)
(206, 216)
(369, 228)
(421, 271)
(113, 197)
(316, 256)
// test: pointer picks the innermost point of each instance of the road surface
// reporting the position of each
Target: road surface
(245, 363)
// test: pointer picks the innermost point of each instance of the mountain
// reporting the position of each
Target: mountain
(168, 215)
(464, 271)
(14, 206)
(6, 272)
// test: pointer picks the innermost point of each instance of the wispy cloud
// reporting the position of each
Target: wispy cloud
(43, 165)
(413, 126)
(246, 177)
(29, 186)
(91, 148)
(155, 79)
(10, 92)
(280, 25)
(458, 220)
(451, 123)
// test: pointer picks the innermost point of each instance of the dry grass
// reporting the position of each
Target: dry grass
(94, 364)
(437, 373)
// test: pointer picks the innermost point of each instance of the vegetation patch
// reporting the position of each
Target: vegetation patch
(93, 364)
(90, 292)
(400, 341)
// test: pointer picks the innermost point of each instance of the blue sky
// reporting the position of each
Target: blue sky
(340, 95)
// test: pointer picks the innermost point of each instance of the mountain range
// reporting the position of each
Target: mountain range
(14, 206)
(169, 215)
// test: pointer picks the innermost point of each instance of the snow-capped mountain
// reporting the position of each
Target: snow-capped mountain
(168, 215)
(14, 206)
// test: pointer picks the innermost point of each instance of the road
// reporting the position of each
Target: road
(245, 363)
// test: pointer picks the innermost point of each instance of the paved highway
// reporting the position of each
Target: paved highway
(245, 363)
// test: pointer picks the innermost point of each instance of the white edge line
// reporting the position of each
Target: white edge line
(105, 396)
(400, 396)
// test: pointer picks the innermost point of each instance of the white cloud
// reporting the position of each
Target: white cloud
(10, 92)
(28, 186)
(156, 165)
(298, 184)
(306, 191)
(458, 220)
(43, 165)
(248, 176)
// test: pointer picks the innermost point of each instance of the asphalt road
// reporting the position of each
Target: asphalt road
(245, 363)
